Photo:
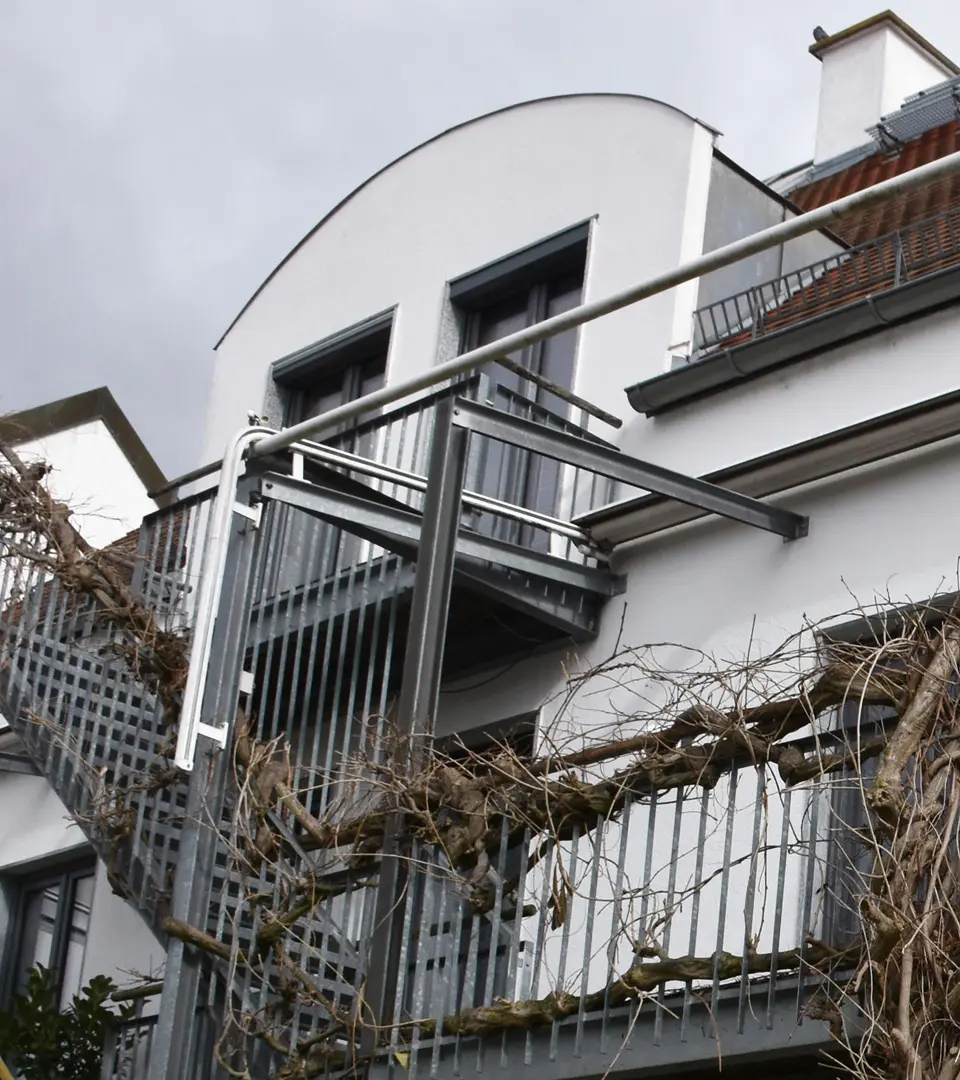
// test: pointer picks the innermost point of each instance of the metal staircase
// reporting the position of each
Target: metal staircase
(328, 638)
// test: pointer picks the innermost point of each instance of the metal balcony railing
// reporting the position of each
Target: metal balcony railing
(877, 265)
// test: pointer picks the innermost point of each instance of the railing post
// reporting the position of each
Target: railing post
(419, 693)
(177, 1026)
(901, 263)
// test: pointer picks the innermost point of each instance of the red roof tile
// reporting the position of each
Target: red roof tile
(895, 213)
(924, 248)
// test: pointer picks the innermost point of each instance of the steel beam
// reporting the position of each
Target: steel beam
(571, 450)
(386, 519)
(419, 694)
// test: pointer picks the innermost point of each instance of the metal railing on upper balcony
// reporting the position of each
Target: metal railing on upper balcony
(830, 283)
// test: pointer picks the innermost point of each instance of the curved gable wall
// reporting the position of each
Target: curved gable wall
(639, 169)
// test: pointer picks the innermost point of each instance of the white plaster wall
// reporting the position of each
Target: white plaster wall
(851, 85)
(92, 475)
(34, 823)
(907, 69)
(638, 168)
(119, 944)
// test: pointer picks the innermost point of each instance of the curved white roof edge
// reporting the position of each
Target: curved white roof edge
(427, 142)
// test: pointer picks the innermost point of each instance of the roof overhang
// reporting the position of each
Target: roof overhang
(53, 417)
(750, 359)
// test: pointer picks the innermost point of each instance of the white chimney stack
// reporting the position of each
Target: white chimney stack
(868, 70)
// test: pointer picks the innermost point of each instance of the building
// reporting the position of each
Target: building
(56, 904)
(813, 386)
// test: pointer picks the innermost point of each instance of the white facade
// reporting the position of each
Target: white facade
(94, 477)
(473, 195)
(641, 173)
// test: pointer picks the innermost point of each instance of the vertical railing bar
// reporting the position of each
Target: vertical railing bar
(565, 932)
(354, 680)
(808, 896)
(695, 905)
(513, 972)
(435, 1011)
(335, 539)
(615, 917)
(449, 1002)
(266, 732)
(492, 960)
(645, 897)
(332, 768)
(547, 864)
(778, 909)
(301, 761)
(724, 886)
(749, 946)
(671, 895)
(425, 884)
(598, 838)
(468, 994)
(286, 603)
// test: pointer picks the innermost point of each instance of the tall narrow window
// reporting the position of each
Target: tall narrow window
(524, 289)
(51, 922)
(322, 377)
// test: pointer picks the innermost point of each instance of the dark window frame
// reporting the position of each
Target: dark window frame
(547, 258)
(846, 853)
(522, 285)
(344, 353)
(18, 884)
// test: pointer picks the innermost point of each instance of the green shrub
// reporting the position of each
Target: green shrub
(40, 1042)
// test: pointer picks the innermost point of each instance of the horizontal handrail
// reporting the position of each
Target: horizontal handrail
(416, 482)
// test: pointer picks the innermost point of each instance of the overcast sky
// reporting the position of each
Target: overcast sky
(158, 158)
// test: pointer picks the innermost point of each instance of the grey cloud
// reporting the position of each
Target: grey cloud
(159, 159)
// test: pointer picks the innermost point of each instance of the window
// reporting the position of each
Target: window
(51, 919)
(851, 842)
(334, 371)
(498, 300)
(330, 373)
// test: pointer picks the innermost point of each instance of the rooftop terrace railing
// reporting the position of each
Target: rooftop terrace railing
(883, 263)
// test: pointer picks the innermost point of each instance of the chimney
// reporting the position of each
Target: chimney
(868, 70)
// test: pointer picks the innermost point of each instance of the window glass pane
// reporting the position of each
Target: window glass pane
(76, 943)
(559, 352)
(39, 921)
(496, 322)
(324, 395)
(372, 377)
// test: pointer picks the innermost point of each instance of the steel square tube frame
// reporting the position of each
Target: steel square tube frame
(388, 520)
(571, 450)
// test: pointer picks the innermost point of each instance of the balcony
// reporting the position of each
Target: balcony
(899, 276)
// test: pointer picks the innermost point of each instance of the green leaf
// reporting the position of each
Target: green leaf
(42, 1042)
